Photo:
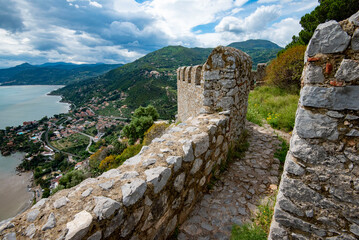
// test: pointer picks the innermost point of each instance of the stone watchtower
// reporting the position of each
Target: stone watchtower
(221, 84)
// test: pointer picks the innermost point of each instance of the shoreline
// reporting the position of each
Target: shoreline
(17, 193)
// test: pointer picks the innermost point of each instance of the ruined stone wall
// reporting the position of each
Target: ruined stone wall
(154, 191)
(258, 75)
(319, 192)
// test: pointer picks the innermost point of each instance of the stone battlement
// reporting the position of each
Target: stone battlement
(154, 191)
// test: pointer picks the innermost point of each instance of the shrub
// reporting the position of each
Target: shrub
(285, 71)
(129, 152)
(72, 178)
(156, 130)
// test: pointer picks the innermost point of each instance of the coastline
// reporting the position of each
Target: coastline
(16, 191)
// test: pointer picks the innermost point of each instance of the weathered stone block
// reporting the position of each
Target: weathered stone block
(201, 142)
(196, 165)
(329, 37)
(158, 177)
(179, 181)
(333, 98)
(354, 19)
(133, 191)
(348, 70)
(79, 227)
(51, 222)
(313, 74)
(31, 216)
(309, 125)
(355, 40)
(176, 161)
(188, 152)
(61, 202)
(105, 207)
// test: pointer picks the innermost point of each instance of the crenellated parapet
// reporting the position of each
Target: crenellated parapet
(318, 196)
(221, 84)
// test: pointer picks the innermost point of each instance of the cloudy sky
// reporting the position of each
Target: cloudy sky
(120, 31)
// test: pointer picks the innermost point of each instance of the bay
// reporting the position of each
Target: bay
(27, 103)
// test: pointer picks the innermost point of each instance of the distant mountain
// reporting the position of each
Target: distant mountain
(261, 51)
(52, 73)
(152, 78)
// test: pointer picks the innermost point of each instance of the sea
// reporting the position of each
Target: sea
(27, 103)
(19, 104)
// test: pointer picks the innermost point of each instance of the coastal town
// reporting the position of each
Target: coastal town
(62, 143)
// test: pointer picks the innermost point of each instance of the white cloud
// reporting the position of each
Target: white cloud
(257, 21)
(95, 4)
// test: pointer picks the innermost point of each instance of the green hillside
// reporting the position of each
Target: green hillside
(152, 78)
(52, 73)
(261, 51)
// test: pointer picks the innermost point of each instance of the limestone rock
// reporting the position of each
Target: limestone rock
(40, 203)
(291, 167)
(61, 202)
(176, 161)
(131, 222)
(354, 229)
(288, 205)
(31, 216)
(30, 231)
(105, 207)
(114, 224)
(201, 142)
(196, 165)
(106, 185)
(129, 175)
(79, 227)
(96, 236)
(10, 236)
(188, 152)
(313, 74)
(179, 181)
(355, 19)
(133, 191)
(87, 192)
(111, 173)
(334, 98)
(355, 40)
(51, 222)
(348, 70)
(158, 177)
(329, 37)
(133, 161)
(309, 125)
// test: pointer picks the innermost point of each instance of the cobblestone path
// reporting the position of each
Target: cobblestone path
(239, 190)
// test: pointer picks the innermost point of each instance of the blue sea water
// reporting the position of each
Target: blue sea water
(28, 103)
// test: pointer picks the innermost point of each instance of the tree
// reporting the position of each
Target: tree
(142, 120)
(72, 178)
(285, 71)
(327, 10)
(149, 111)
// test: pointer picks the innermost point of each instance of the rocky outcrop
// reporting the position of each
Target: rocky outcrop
(154, 191)
(319, 192)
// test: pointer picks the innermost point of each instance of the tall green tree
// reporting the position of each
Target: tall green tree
(326, 10)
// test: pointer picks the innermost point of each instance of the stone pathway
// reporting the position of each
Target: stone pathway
(239, 190)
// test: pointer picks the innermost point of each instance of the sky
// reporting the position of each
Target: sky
(121, 31)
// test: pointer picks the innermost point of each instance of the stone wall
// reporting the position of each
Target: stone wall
(319, 191)
(154, 191)
(258, 75)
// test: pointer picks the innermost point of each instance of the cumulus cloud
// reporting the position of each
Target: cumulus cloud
(257, 21)
(113, 31)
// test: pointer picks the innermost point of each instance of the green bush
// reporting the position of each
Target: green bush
(72, 178)
(248, 232)
(156, 130)
(129, 152)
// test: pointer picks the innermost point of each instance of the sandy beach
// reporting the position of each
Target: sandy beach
(14, 193)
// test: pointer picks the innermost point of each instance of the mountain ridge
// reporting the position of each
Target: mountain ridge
(148, 80)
